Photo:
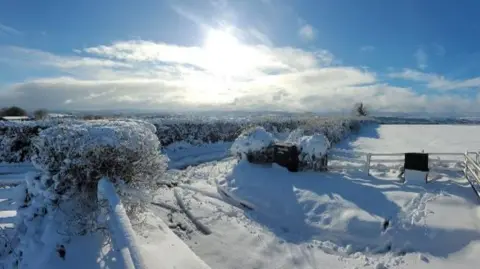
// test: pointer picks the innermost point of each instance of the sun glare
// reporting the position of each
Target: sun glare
(226, 56)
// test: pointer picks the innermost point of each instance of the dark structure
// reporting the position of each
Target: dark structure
(286, 155)
(289, 156)
(416, 161)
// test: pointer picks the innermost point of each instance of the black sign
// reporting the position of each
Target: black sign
(416, 161)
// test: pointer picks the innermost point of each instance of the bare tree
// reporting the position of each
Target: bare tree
(359, 109)
(40, 114)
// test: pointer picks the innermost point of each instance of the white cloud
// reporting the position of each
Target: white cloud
(434, 81)
(367, 48)
(307, 32)
(145, 74)
(38, 57)
(422, 58)
(9, 30)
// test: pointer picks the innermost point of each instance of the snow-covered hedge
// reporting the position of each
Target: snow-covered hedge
(15, 142)
(334, 129)
(16, 139)
(77, 155)
(253, 140)
(201, 130)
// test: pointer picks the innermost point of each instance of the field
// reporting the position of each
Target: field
(234, 214)
(335, 220)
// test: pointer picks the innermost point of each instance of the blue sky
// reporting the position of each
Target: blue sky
(310, 55)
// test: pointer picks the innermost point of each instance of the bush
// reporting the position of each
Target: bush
(16, 141)
(40, 114)
(61, 200)
(77, 156)
(13, 111)
(251, 141)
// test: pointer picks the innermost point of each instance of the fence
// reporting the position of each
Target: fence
(472, 172)
(365, 160)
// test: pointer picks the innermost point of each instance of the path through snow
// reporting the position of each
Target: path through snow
(331, 220)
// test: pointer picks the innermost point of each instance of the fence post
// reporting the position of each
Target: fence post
(465, 169)
(367, 163)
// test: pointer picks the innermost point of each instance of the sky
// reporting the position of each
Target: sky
(417, 57)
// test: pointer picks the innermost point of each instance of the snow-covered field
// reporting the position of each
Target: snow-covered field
(332, 220)
(239, 215)
(415, 138)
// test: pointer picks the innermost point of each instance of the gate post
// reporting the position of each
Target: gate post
(367, 163)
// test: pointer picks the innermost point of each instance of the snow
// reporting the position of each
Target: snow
(182, 154)
(253, 140)
(342, 219)
(415, 177)
(156, 243)
(415, 138)
(120, 227)
(314, 145)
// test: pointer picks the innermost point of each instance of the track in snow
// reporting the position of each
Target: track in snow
(334, 220)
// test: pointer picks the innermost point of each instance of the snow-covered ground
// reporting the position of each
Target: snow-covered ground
(240, 215)
(415, 138)
(332, 220)
(182, 154)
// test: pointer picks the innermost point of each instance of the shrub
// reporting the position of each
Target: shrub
(16, 141)
(40, 114)
(253, 144)
(76, 156)
(13, 111)
(60, 201)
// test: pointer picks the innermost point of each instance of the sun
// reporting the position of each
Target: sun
(225, 55)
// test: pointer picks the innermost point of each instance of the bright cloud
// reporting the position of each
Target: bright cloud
(222, 73)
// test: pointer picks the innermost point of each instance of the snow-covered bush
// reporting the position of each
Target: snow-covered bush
(16, 138)
(16, 142)
(312, 149)
(252, 143)
(61, 201)
(76, 156)
(334, 129)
